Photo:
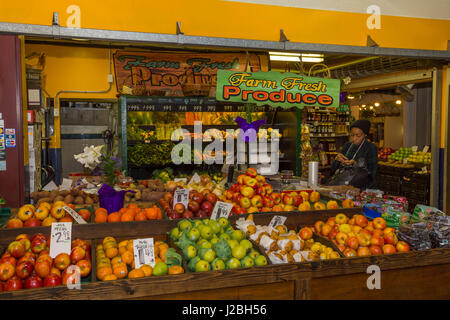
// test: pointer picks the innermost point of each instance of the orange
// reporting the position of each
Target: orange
(151, 213)
(70, 205)
(110, 244)
(66, 219)
(132, 206)
(130, 246)
(148, 270)
(101, 217)
(103, 272)
(127, 257)
(106, 239)
(122, 249)
(127, 217)
(120, 270)
(156, 251)
(123, 243)
(158, 260)
(114, 217)
(133, 266)
(140, 217)
(116, 259)
(112, 252)
(122, 211)
(109, 277)
(101, 210)
(158, 212)
(162, 248)
(136, 273)
(176, 270)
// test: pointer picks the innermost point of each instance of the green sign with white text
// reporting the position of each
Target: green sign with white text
(277, 89)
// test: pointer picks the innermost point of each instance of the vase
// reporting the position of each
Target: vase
(111, 199)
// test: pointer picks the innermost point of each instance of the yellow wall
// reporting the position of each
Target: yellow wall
(217, 18)
(444, 109)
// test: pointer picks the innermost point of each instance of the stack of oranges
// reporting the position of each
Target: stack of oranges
(130, 213)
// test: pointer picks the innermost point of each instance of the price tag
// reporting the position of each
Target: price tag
(424, 169)
(425, 149)
(405, 161)
(144, 252)
(74, 215)
(195, 179)
(414, 149)
(60, 238)
(277, 220)
(181, 196)
(221, 209)
(66, 184)
(180, 180)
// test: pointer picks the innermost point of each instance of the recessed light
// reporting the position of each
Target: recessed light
(398, 101)
(377, 104)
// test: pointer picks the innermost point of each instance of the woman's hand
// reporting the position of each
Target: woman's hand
(349, 162)
(341, 158)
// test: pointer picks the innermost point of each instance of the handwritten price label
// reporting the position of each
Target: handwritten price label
(221, 209)
(144, 252)
(181, 196)
(74, 215)
(277, 220)
(60, 238)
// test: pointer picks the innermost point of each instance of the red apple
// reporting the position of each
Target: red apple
(363, 251)
(32, 222)
(318, 226)
(287, 199)
(251, 172)
(377, 241)
(361, 221)
(202, 214)
(187, 214)
(211, 197)
(402, 246)
(62, 261)
(379, 223)
(352, 242)
(32, 282)
(7, 271)
(13, 283)
(16, 249)
(268, 202)
(390, 238)
(52, 280)
(276, 197)
(251, 182)
(198, 197)
(24, 269)
(42, 268)
(39, 235)
(207, 207)
(256, 201)
(389, 249)
(77, 254)
(179, 207)
(268, 187)
(85, 267)
(298, 200)
(240, 179)
(305, 233)
(193, 206)
(10, 259)
(375, 250)
(38, 244)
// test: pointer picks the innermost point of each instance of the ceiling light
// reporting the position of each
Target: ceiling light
(363, 106)
(310, 59)
(350, 97)
(398, 101)
(377, 104)
(371, 107)
(272, 53)
(284, 58)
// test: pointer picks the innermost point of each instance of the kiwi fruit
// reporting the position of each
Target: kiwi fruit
(64, 193)
(73, 192)
(78, 200)
(44, 194)
(53, 194)
(68, 199)
(88, 200)
(59, 198)
(42, 200)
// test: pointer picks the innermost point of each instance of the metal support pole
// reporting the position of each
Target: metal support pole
(446, 198)
(435, 136)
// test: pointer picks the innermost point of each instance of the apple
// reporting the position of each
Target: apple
(370, 228)
(319, 206)
(352, 243)
(352, 221)
(197, 197)
(349, 252)
(247, 191)
(206, 233)
(402, 246)
(363, 239)
(240, 179)
(26, 243)
(85, 214)
(38, 244)
(7, 270)
(25, 212)
(39, 236)
(375, 250)
(306, 233)
(10, 259)
(363, 251)
(52, 280)
(62, 261)
(304, 195)
(268, 202)
(85, 267)
(378, 233)
(341, 237)
(42, 268)
(168, 196)
(276, 197)
(201, 266)
(390, 238)
(238, 235)
(16, 249)
(179, 207)
(188, 214)
(257, 201)
(202, 214)
(332, 205)
(77, 254)
(14, 223)
(318, 226)
(260, 260)
(194, 234)
(212, 198)
(207, 207)
(326, 229)
(193, 206)
(24, 269)
(245, 202)
(389, 249)
(361, 221)
(261, 191)
(58, 212)
(45, 257)
(32, 222)
(252, 172)
(218, 264)
(379, 223)
(13, 283)
(23, 236)
(251, 182)
(32, 282)
(268, 187)
(28, 256)
(341, 218)
(314, 196)
(247, 262)
(42, 212)
(288, 199)
(331, 221)
(377, 241)
(389, 230)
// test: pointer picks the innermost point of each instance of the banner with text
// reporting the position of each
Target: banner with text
(277, 89)
(164, 74)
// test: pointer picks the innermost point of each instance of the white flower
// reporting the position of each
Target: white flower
(90, 157)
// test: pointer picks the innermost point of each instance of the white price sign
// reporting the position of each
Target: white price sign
(195, 179)
(60, 238)
(181, 196)
(74, 215)
(180, 180)
(221, 209)
(277, 220)
(414, 149)
(425, 149)
(144, 252)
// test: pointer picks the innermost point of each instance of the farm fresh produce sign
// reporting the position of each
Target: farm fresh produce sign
(277, 89)
(157, 73)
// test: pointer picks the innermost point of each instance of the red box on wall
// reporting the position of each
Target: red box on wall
(30, 116)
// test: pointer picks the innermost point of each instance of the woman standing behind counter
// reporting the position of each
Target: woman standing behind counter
(359, 147)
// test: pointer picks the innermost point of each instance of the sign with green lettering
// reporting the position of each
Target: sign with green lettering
(277, 89)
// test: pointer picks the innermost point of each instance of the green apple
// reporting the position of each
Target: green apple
(194, 234)
(184, 224)
(247, 262)
(253, 254)
(246, 244)
(190, 252)
(218, 264)
(232, 243)
(226, 236)
(215, 226)
(238, 252)
(238, 235)
(214, 240)
(233, 263)
(206, 233)
(175, 233)
(198, 223)
(205, 244)
(206, 221)
(192, 263)
(261, 260)
(207, 254)
(202, 265)
(223, 222)
(229, 230)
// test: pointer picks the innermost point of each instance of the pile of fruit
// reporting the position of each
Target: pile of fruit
(132, 212)
(384, 153)
(215, 245)
(45, 215)
(420, 157)
(400, 154)
(283, 246)
(26, 263)
(359, 237)
(205, 183)
(116, 260)
(200, 205)
(145, 190)
(74, 196)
